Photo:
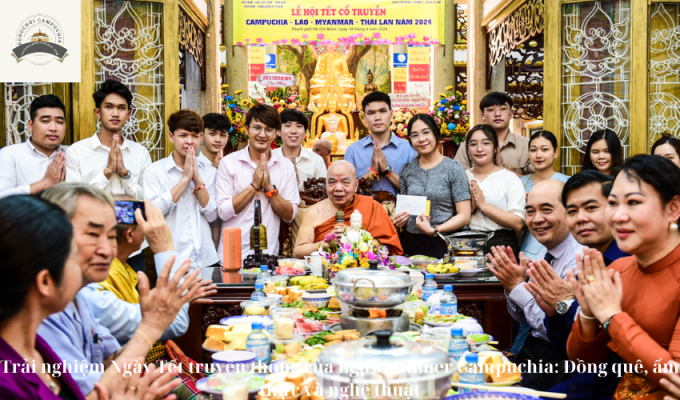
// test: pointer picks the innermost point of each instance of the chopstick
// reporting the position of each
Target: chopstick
(509, 389)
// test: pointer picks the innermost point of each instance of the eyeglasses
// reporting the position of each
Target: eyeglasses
(484, 143)
(258, 129)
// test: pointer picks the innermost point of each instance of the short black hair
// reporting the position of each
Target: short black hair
(675, 143)
(294, 115)
(34, 235)
(585, 178)
(490, 134)
(544, 134)
(376, 96)
(217, 122)
(265, 114)
(613, 145)
(495, 99)
(108, 87)
(188, 120)
(46, 101)
(429, 121)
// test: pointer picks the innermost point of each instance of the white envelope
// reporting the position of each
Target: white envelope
(414, 205)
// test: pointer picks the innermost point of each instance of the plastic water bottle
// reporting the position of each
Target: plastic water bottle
(433, 303)
(429, 287)
(458, 345)
(448, 301)
(259, 293)
(258, 343)
(264, 276)
(471, 373)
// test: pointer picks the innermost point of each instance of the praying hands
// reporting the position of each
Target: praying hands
(115, 163)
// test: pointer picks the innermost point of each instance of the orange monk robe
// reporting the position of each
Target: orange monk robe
(375, 221)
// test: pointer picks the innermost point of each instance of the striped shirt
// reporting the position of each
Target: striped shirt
(520, 299)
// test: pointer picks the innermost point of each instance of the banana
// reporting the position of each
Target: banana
(294, 280)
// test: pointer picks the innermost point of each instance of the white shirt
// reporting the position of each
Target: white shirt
(87, 158)
(309, 165)
(188, 221)
(503, 190)
(22, 165)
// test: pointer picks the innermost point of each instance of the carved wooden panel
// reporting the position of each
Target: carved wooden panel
(474, 309)
(314, 191)
(523, 23)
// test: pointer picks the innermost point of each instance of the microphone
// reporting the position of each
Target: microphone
(340, 217)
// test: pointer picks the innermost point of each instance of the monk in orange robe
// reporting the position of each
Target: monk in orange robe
(320, 218)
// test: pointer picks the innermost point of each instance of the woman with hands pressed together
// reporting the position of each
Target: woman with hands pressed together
(498, 198)
(443, 181)
(633, 308)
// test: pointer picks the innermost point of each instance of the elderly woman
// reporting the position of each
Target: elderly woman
(633, 307)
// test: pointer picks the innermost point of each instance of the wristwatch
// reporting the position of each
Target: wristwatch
(128, 176)
(387, 171)
(563, 306)
(436, 231)
(273, 192)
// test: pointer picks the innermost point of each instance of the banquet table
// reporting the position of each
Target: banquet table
(483, 300)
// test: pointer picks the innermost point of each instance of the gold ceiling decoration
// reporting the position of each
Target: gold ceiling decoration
(526, 21)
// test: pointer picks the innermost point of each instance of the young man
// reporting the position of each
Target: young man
(257, 172)
(38, 163)
(585, 198)
(324, 148)
(107, 160)
(380, 155)
(216, 129)
(294, 126)
(182, 186)
(496, 111)
(546, 219)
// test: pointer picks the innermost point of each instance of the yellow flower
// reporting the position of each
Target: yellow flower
(463, 102)
(443, 127)
(245, 102)
(238, 92)
(275, 99)
(442, 95)
(449, 88)
(225, 86)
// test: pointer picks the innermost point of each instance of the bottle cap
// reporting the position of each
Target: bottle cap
(256, 325)
(259, 286)
(429, 276)
(264, 268)
(448, 288)
(469, 357)
(456, 331)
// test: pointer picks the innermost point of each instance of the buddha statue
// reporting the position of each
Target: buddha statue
(332, 76)
(333, 124)
(353, 235)
(336, 137)
(370, 86)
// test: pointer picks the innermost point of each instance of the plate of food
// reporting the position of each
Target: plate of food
(424, 260)
(240, 319)
(216, 383)
(441, 277)
(443, 320)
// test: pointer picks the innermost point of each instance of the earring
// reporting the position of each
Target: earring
(674, 226)
(483, 118)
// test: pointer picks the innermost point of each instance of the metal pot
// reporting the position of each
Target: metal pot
(468, 243)
(368, 368)
(372, 288)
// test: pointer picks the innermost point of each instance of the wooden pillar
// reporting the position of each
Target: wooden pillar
(237, 56)
(477, 60)
(444, 70)
(211, 102)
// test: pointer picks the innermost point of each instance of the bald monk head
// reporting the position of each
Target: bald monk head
(324, 148)
(546, 216)
(341, 183)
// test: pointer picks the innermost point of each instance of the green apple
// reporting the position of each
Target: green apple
(280, 347)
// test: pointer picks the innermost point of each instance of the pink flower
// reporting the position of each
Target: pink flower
(359, 35)
(312, 42)
(275, 42)
(411, 42)
(426, 38)
(284, 41)
(367, 41)
(239, 43)
(319, 36)
(329, 237)
(247, 40)
(376, 34)
(294, 41)
(304, 36)
(259, 40)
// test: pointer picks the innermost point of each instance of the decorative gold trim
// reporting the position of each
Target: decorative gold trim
(497, 10)
(83, 111)
(552, 94)
(639, 78)
(192, 10)
(460, 47)
(519, 25)
(460, 63)
(191, 37)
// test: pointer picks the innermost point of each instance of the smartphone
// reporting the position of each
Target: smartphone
(125, 211)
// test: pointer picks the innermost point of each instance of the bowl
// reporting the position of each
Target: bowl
(470, 273)
(316, 300)
(426, 262)
(441, 277)
(276, 297)
(204, 385)
(259, 307)
(234, 361)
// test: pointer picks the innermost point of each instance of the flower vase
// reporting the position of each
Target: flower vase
(449, 147)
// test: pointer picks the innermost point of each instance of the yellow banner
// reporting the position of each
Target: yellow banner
(269, 21)
(399, 74)
(418, 55)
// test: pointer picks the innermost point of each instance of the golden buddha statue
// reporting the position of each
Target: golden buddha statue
(332, 75)
(336, 125)
(370, 86)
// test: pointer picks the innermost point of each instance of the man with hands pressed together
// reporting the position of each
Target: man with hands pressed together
(37, 163)
(381, 155)
(546, 219)
(182, 186)
(257, 172)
